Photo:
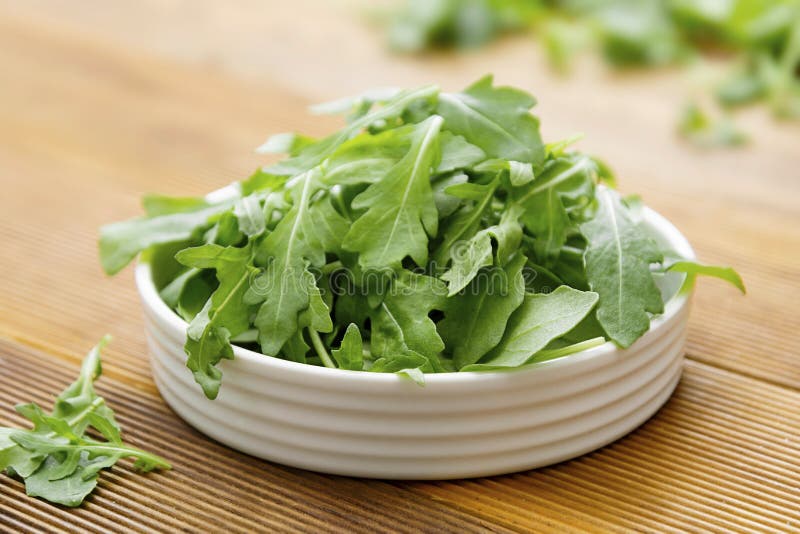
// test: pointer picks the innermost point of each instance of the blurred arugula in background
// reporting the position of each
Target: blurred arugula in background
(761, 36)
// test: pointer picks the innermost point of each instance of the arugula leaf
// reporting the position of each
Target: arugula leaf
(572, 176)
(401, 212)
(478, 251)
(618, 259)
(763, 37)
(475, 320)
(350, 354)
(548, 220)
(447, 204)
(495, 119)
(285, 143)
(540, 319)
(465, 222)
(121, 242)
(224, 315)
(250, 215)
(699, 128)
(723, 273)
(457, 153)
(465, 24)
(56, 460)
(415, 375)
(367, 158)
(297, 242)
(401, 322)
(519, 173)
(156, 205)
(316, 153)
(401, 363)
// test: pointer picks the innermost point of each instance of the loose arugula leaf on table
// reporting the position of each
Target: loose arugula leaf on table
(701, 129)
(427, 235)
(56, 459)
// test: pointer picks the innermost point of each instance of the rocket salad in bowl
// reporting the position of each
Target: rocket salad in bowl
(434, 235)
(435, 232)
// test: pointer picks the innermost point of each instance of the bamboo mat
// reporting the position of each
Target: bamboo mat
(100, 103)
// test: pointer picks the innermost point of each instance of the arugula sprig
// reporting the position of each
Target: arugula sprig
(57, 459)
(434, 232)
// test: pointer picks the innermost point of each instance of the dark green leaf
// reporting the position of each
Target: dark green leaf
(475, 319)
(618, 261)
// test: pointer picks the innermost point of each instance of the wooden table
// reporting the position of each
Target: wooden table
(102, 101)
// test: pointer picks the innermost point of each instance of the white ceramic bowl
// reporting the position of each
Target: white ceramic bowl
(458, 425)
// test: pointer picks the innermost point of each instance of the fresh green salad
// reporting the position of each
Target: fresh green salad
(58, 460)
(435, 232)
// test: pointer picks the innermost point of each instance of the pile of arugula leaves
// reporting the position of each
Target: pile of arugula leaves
(57, 459)
(434, 232)
(763, 36)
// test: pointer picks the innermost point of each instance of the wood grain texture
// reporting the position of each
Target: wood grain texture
(100, 102)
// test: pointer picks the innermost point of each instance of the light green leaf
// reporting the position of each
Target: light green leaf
(457, 153)
(463, 224)
(414, 374)
(540, 319)
(314, 154)
(572, 176)
(225, 314)
(350, 354)
(401, 212)
(56, 460)
(496, 119)
(121, 242)
(157, 205)
(723, 273)
(547, 219)
(284, 289)
(250, 215)
(447, 204)
(368, 158)
(478, 252)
